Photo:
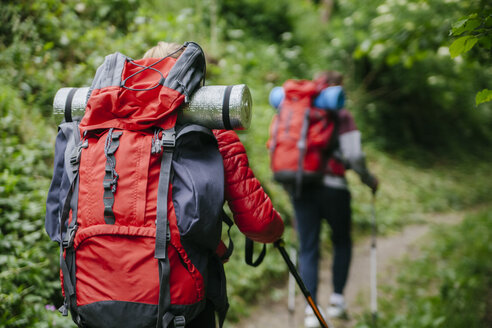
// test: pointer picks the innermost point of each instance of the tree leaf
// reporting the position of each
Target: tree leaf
(472, 24)
(458, 27)
(465, 24)
(486, 41)
(462, 45)
(488, 21)
(483, 96)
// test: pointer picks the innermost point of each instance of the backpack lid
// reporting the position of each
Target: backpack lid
(137, 95)
(300, 88)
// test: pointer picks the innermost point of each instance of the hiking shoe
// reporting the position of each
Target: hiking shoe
(337, 311)
(337, 308)
(310, 319)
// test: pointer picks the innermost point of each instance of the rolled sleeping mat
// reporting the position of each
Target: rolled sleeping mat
(215, 106)
(69, 104)
(330, 98)
(219, 107)
(276, 97)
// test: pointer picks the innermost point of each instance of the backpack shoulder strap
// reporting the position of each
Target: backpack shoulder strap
(168, 142)
(334, 141)
(67, 233)
(192, 128)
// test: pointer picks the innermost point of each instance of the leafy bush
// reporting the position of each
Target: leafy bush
(474, 29)
(28, 280)
(416, 90)
(266, 20)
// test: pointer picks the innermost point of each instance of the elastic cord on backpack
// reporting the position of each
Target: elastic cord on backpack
(144, 68)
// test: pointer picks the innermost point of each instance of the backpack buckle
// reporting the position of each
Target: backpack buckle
(77, 152)
(64, 309)
(179, 321)
(168, 140)
(168, 233)
(68, 241)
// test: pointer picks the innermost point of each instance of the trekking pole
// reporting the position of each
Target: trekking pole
(374, 290)
(291, 303)
(280, 245)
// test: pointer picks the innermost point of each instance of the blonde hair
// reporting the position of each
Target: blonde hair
(163, 49)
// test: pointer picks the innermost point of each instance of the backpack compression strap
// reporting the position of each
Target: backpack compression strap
(111, 177)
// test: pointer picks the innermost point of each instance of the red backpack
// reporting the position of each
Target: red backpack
(138, 199)
(300, 136)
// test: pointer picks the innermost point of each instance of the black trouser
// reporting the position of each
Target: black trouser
(314, 204)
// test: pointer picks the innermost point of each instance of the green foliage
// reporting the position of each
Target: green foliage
(483, 96)
(28, 279)
(266, 20)
(452, 292)
(462, 44)
(476, 28)
(471, 30)
(47, 44)
(414, 93)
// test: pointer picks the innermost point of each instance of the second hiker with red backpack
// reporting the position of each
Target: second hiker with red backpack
(313, 140)
(136, 199)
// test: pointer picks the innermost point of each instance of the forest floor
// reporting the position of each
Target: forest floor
(391, 248)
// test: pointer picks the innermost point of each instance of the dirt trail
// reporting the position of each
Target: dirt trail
(389, 248)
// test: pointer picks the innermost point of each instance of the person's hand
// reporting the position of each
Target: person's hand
(374, 184)
(371, 181)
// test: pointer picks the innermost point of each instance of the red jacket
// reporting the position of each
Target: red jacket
(251, 207)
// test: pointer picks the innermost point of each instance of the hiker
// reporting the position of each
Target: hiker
(313, 139)
(331, 201)
(251, 207)
(134, 157)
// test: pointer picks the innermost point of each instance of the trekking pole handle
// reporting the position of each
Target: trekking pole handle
(280, 245)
